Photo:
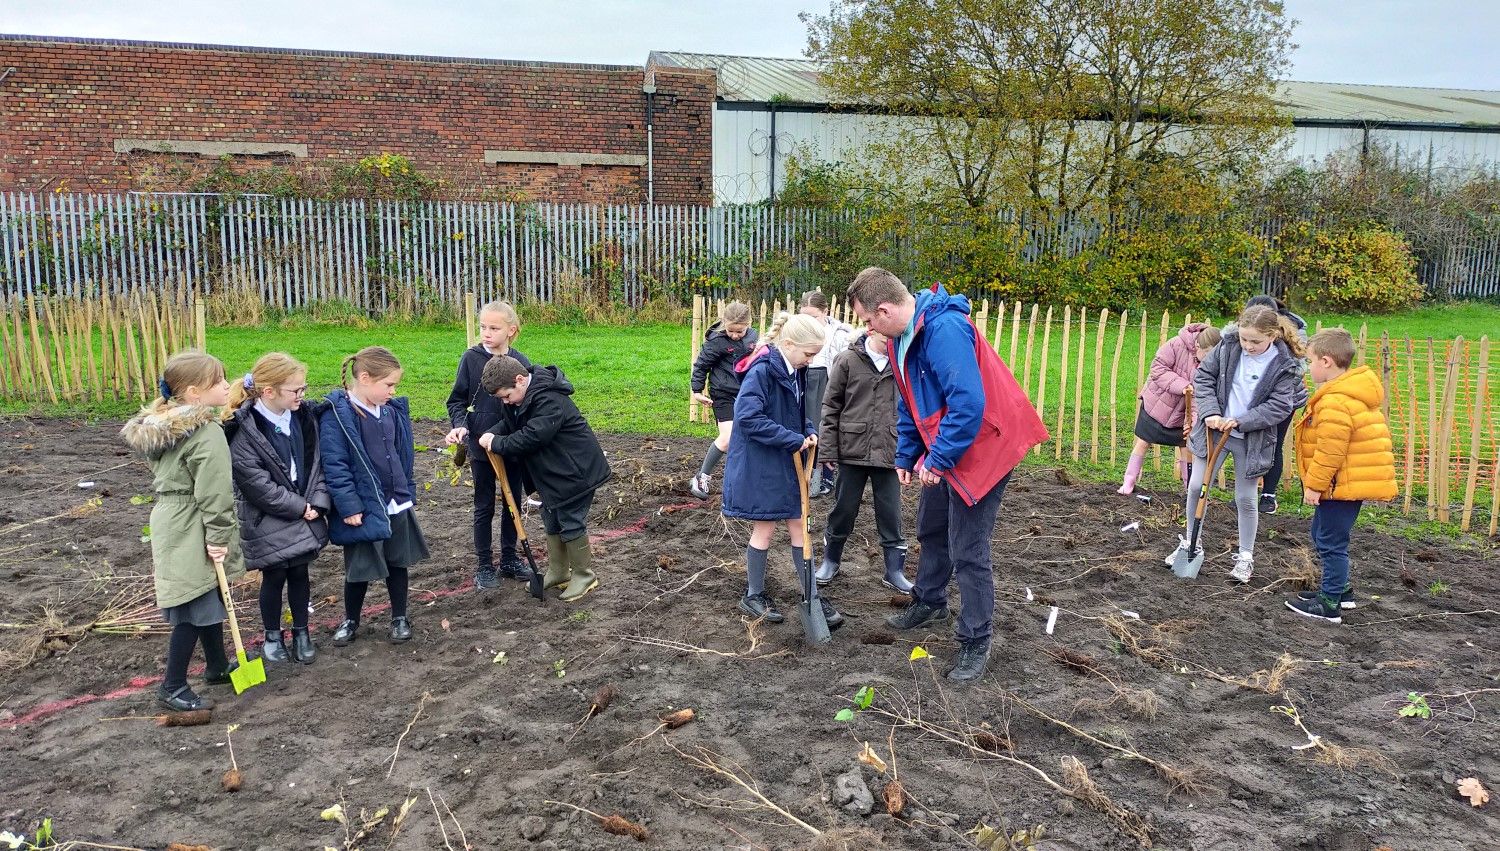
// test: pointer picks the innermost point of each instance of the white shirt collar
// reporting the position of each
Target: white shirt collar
(282, 421)
(374, 412)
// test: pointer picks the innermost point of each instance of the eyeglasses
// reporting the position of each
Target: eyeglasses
(295, 391)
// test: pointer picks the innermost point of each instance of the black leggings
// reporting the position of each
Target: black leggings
(1278, 460)
(298, 595)
(397, 583)
(180, 652)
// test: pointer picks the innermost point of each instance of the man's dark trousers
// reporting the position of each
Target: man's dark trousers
(955, 541)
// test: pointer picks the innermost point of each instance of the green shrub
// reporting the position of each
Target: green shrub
(1359, 269)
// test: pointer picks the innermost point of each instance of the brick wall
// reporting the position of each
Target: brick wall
(68, 101)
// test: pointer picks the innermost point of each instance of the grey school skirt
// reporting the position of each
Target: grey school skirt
(368, 561)
(206, 609)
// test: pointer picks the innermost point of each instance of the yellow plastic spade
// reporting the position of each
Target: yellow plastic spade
(251, 672)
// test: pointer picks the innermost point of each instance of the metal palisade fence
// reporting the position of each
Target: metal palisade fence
(383, 254)
(377, 253)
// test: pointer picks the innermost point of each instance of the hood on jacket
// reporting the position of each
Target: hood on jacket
(1189, 333)
(546, 379)
(932, 302)
(1360, 383)
(156, 429)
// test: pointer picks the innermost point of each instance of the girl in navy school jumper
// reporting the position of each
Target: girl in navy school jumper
(760, 481)
(727, 342)
(472, 412)
(367, 460)
(281, 496)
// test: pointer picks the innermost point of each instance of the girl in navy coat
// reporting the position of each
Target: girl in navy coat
(367, 462)
(760, 481)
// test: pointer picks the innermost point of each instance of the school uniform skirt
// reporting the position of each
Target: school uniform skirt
(368, 561)
(206, 609)
(1153, 432)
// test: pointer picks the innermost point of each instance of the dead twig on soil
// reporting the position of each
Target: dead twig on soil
(1080, 786)
(426, 695)
(232, 780)
(714, 763)
(1185, 780)
(1151, 644)
(613, 823)
(751, 651)
(1361, 624)
(442, 828)
(1142, 703)
(1341, 758)
(680, 588)
(83, 509)
(668, 722)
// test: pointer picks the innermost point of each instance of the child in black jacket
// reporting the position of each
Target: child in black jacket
(727, 342)
(562, 460)
(472, 412)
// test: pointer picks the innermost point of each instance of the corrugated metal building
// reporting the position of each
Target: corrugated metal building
(768, 109)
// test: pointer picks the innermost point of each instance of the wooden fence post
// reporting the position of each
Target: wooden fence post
(1015, 335)
(1481, 409)
(471, 318)
(1432, 428)
(1099, 328)
(1445, 441)
(1083, 340)
(1114, 390)
(693, 345)
(1041, 390)
(200, 324)
(1062, 383)
(1413, 425)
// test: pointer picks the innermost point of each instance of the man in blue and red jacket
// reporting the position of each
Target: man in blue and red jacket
(963, 425)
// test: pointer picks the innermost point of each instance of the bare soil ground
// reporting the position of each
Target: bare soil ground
(1159, 713)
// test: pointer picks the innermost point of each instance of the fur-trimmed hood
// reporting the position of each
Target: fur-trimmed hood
(156, 429)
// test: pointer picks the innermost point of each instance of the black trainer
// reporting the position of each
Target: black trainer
(761, 606)
(346, 633)
(182, 699)
(1317, 608)
(1347, 600)
(973, 658)
(486, 578)
(918, 615)
(1268, 503)
(511, 567)
(400, 629)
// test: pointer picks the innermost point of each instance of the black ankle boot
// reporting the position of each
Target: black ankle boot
(182, 699)
(274, 650)
(303, 649)
(400, 629)
(347, 632)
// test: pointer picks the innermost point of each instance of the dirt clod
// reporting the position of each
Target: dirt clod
(232, 780)
(620, 826)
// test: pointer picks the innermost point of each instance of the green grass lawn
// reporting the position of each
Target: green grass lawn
(626, 379)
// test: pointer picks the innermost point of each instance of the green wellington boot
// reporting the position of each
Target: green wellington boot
(581, 562)
(557, 563)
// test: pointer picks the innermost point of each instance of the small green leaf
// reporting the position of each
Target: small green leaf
(864, 697)
(421, 447)
(142, 499)
(845, 714)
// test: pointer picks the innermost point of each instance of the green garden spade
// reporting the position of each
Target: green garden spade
(814, 623)
(251, 672)
(1186, 563)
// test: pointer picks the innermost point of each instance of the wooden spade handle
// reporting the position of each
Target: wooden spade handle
(510, 500)
(802, 488)
(234, 623)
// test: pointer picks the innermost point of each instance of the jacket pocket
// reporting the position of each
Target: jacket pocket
(854, 440)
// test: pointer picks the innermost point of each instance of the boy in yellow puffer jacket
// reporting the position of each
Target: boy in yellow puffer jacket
(1344, 458)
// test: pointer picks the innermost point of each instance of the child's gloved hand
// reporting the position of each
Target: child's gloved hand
(455, 436)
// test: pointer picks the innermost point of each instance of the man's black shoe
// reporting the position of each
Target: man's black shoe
(973, 657)
(918, 615)
(761, 606)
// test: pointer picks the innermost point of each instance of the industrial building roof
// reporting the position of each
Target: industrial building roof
(800, 81)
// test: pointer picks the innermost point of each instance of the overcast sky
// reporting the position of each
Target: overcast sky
(1443, 43)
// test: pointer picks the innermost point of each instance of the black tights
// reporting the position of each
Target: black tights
(180, 652)
(396, 583)
(298, 595)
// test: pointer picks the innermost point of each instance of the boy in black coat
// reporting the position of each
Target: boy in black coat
(561, 457)
(471, 413)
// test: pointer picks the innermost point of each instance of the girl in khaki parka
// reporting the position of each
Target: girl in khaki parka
(193, 521)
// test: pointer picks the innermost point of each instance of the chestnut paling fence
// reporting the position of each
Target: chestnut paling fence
(1083, 370)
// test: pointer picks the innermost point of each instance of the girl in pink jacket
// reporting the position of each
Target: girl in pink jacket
(1163, 399)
